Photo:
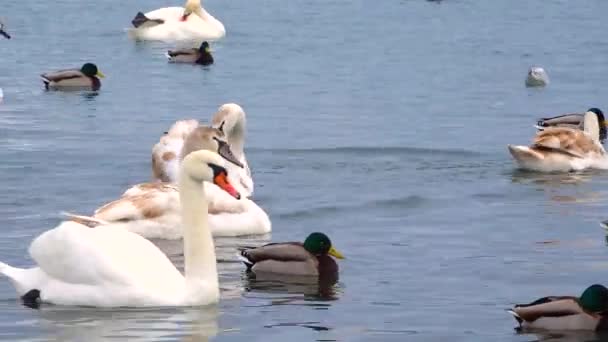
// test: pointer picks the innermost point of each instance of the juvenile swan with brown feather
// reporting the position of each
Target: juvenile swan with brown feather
(561, 148)
(574, 120)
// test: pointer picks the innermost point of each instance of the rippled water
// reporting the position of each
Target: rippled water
(384, 125)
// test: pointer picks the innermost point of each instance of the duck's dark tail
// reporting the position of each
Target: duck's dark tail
(141, 19)
(241, 255)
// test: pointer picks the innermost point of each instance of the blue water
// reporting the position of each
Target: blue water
(384, 125)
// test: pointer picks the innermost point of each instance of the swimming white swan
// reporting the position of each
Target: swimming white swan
(191, 23)
(152, 209)
(562, 148)
(230, 120)
(113, 267)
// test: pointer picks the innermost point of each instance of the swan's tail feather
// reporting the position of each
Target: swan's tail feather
(141, 19)
(88, 221)
(6, 269)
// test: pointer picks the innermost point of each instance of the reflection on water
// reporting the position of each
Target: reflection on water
(297, 288)
(568, 336)
(152, 324)
(551, 179)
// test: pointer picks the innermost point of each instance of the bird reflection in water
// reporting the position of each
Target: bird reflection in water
(323, 288)
(568, 336)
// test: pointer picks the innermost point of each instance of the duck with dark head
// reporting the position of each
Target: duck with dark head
(201, 56)
(587, 312)
(85, 78)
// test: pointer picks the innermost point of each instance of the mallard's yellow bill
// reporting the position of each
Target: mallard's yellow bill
(99, 74)
(334, 252)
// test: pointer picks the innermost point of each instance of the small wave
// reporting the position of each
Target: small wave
(363, 150)
(411, 201)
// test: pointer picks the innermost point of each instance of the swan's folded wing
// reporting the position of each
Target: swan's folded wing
(60, 75)
(285, 251)
(548, 307)
(76, 254)
(147, 205)
(566, 140)
(142, 188)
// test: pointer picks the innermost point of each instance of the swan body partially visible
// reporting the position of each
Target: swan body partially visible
(190, 23)
(561, 149)
(152, 211)
(230, 121)
(574, 120)
(166, 154)
(113, 267)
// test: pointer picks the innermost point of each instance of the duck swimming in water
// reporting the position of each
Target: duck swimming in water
(586, 312)
(202, 55)
(311, 258)
(574, 120)
(85, 78)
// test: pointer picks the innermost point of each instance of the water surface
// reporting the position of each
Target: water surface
(383, 125)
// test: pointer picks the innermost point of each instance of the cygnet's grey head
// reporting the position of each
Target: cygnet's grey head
(537, 77)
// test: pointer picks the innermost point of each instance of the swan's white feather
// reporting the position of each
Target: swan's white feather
(106, 267)
(194, 28)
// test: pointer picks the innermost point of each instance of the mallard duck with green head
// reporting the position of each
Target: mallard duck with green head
(85, 78)
(311, 258)
(202, 55)
(586, 312)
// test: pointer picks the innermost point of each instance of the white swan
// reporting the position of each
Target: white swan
(230, 120)
(113, 267)
(562, 149)
(191, 23)
(152, 209)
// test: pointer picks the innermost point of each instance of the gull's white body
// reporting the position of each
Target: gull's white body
(113, 267)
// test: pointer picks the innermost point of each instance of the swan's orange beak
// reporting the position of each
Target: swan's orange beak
(221, 180)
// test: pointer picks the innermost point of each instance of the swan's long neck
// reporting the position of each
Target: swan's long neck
(237, 139)
(199, 250)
